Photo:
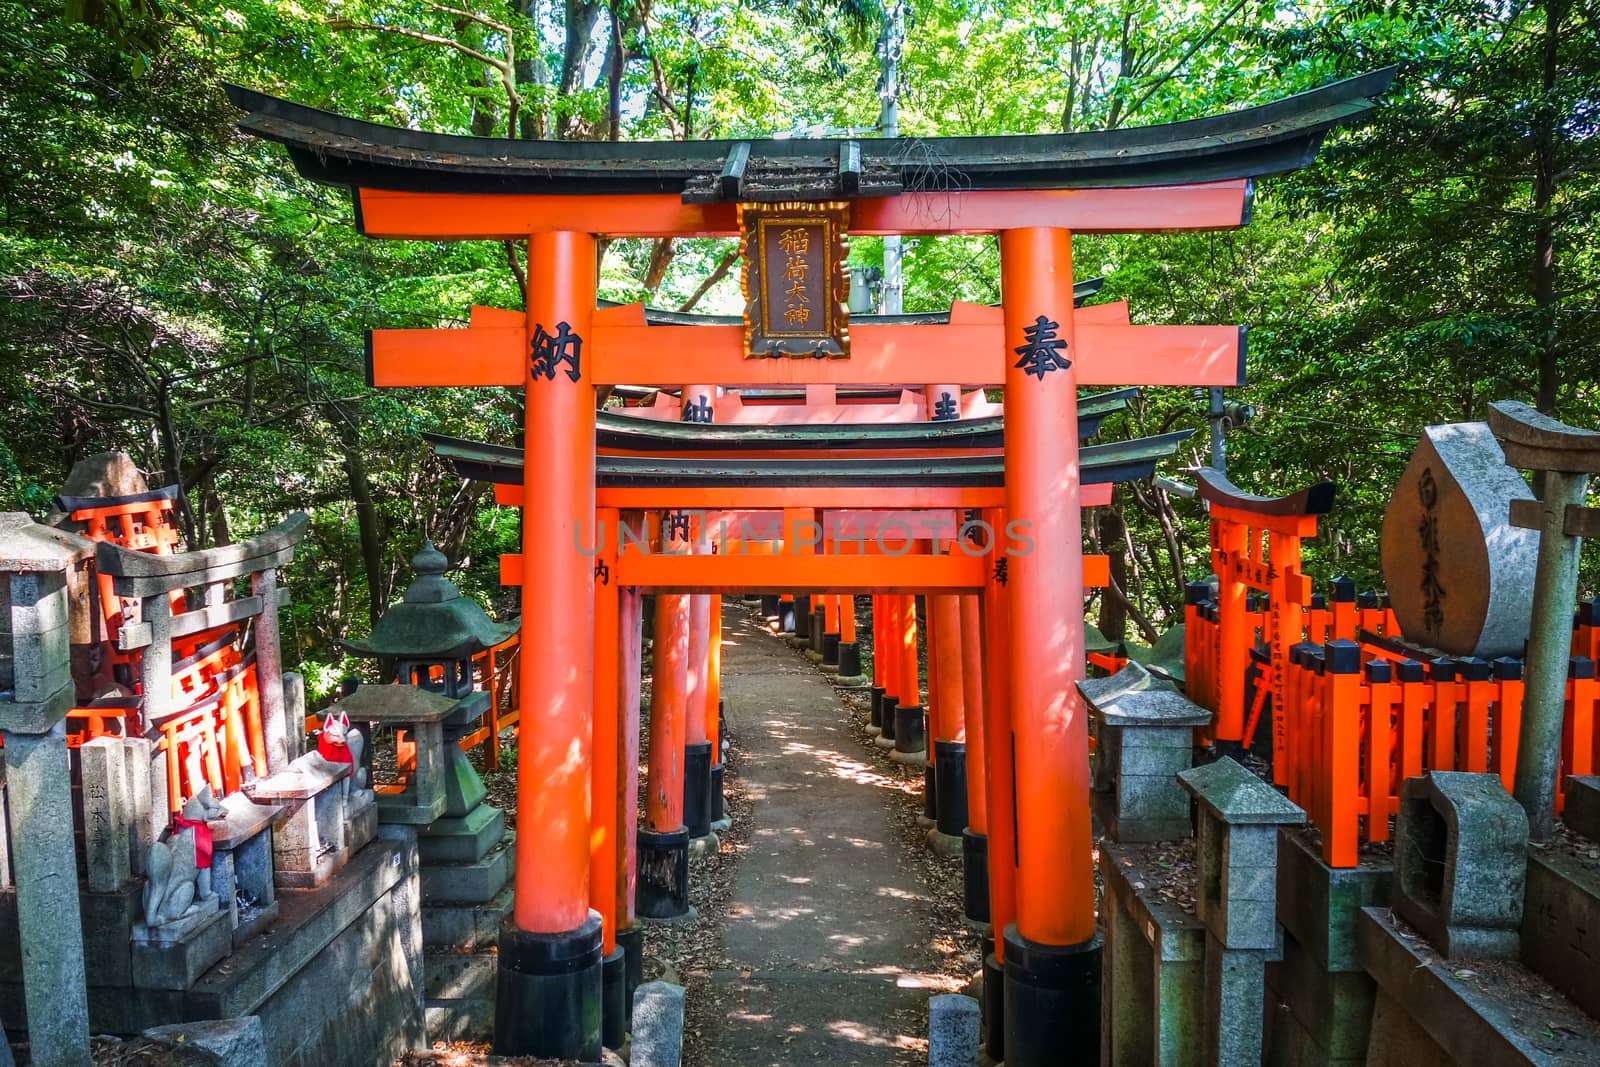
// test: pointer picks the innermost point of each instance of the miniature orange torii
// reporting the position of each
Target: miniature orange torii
(1033, 192)
(1255, 544)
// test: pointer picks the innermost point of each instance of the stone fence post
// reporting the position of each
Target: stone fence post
(35, 694)
(1237, 856)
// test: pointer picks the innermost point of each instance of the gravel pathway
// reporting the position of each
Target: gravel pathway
(826, 944)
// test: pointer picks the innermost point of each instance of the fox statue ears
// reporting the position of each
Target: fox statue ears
(342, 724)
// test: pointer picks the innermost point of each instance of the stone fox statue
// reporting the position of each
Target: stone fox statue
(338, 742)
(179, 864)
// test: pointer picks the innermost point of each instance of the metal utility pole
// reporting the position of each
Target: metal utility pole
(1219, 449)
(890, 42)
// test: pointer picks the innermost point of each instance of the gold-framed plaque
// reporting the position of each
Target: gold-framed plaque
(795, 281)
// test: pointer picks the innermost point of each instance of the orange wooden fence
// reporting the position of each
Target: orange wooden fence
(1355, 715)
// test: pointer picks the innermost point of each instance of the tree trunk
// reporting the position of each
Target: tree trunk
(1544, 190)
(530, 70)
(581, 20)
(172, 460)
(1113, 609)
(614, 65)
(355, 469)
(661, 254)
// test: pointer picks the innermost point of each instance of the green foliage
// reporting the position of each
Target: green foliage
(174, 290)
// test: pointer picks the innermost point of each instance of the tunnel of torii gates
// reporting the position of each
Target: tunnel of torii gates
(827, 473)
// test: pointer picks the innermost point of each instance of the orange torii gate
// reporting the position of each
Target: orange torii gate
(1033, 192)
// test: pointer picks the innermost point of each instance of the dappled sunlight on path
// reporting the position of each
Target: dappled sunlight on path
(828, 932)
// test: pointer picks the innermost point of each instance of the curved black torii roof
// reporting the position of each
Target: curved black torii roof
(1268, 139)
(1118, 461)
(632, 433)
(1215, 488)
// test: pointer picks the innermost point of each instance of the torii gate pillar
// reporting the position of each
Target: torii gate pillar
(548, 994)
(1051, 952)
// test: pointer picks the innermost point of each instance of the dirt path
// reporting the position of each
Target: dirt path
(828, 935)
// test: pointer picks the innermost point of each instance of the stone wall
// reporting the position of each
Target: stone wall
(337, 981)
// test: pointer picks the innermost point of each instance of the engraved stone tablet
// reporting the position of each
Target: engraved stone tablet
(1460, 576)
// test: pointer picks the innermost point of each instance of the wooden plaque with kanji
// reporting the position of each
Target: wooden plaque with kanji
(796, 285)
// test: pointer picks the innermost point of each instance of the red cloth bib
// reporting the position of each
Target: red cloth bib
(333, 751)
(202, 838)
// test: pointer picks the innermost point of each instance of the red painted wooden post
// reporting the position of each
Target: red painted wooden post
(714, 678)
(1479, 692)
(947, 726)
(668, 723)
(605, 813)
(1234, 544)
(998, 777)
(1380, 748)
(632, 625)
(1415, 696)
(551, 915)
(905, 642)
(1578, 732)
(1507, 720)
(1341, 779)
(663, 843)
(1442, 730)
(972, 690)
(1053, 960)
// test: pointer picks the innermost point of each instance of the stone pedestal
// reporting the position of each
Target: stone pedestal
(1236, 856)
(39, 808)
(174, 956)
(323, 821)
(466, 898)
(1153, 987)
(1582, 812)
(241, 865)
(35, 693)
(1426, 1014)
(464, 853)
(1321, 1001)
(1561, 926)
(1145, 732)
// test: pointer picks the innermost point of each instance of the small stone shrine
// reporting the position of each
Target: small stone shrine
(1461, 861)
(223, 874)
(464, 849)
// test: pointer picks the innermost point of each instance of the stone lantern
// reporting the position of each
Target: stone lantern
(431, 637)
(465, 852)
(433, 626)
(35, 694)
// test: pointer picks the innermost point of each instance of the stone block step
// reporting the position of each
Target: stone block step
(469, 883)
(465, 927)
(460, 1020)
(464, 840)
(458, 975)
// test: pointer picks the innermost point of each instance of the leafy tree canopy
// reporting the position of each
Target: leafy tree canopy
(174, 290)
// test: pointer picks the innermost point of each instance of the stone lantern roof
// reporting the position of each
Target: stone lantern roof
(27, 546)
(433, 620)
